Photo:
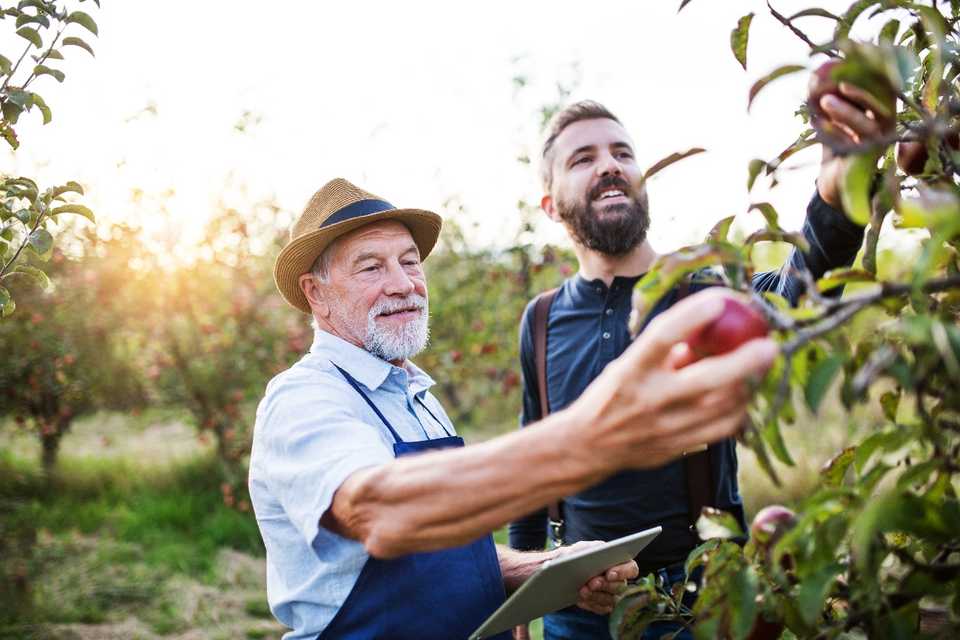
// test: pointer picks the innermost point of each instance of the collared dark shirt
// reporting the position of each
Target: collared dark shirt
(586, 330)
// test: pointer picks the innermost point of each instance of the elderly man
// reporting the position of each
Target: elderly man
(365, 540)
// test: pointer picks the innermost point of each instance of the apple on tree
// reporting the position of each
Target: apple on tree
(736, 324)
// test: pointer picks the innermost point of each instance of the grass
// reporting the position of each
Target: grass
(175, 513)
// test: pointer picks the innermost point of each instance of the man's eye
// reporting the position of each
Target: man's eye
(370, 268)
(626, 154)
(581, 160)
(411, 263)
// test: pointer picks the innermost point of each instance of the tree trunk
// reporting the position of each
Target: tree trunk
(51, 448)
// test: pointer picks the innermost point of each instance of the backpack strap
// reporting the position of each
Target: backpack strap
(696, 463)
(541, 316)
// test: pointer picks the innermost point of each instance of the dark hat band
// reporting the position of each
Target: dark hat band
(357, 209)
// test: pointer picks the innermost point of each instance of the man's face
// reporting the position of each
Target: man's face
(377, 292)
(597, 190)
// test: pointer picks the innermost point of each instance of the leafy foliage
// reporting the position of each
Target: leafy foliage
(26, 212)
(876, 549)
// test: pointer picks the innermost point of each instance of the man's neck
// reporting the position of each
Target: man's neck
(601, 266)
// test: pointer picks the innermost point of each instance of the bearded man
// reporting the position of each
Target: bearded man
(375, 518)
(593, 186)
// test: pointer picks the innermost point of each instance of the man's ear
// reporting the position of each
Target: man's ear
(549, 207)
(315, 295)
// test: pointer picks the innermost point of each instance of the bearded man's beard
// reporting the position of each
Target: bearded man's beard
(614, 229)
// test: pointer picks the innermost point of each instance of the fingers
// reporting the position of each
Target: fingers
(883, 113)
(750, 360)
(676, 324)
(626, 571)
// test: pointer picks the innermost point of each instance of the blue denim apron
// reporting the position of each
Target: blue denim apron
(438, 595)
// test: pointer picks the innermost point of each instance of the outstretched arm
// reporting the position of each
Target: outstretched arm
(641, 412)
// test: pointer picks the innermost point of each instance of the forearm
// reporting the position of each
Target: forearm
(517, 566)
(446, 498)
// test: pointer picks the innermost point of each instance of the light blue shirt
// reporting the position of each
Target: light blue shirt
(312, 431)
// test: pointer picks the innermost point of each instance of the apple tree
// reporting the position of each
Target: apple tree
(875, 550)
(42, 31)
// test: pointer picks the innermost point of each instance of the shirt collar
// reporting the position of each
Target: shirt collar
(597, 289)
(366, 368)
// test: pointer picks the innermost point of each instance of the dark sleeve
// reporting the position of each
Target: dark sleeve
(530, 532)
(834, 241)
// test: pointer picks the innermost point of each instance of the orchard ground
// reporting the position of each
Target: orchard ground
(132, 538)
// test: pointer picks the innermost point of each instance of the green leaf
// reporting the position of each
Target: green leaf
(7, 307)
(843, 276)
(71, 186)
(73, 41)
(39, 277)
(769, 214)
(720, 230)
(820, 379)
(44, 109)
(41, 70)
(773, 437)
(855, 187)
(917, 474)
(682, 5)
(78, 209)
(41, 241)
(5, 65)
(32, 35)
(669, 160)
(11, 111)
(777, 73)
(836, 468)
(83, 20)
(26, 18)
(754, 169)
(814, 590)
(717, 524)
(842, 31)
(890, 402)
(699, 556)
(739, 38)
(888, 34)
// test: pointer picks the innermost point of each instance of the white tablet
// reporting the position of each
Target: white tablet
(556, 583)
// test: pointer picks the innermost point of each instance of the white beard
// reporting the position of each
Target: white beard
(403, 342)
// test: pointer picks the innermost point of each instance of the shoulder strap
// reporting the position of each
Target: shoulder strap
(696, 464)
(541, 317)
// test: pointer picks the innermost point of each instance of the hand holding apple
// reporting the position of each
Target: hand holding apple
(737, 323)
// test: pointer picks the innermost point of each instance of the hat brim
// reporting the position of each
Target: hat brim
(298, 256)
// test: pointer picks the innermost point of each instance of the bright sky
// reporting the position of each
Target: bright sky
(413, 101)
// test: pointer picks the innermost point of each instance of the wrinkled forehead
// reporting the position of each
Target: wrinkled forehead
(385, 237)
(596, 132)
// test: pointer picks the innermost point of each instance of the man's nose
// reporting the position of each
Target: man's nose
(399, 281)
(609, 165)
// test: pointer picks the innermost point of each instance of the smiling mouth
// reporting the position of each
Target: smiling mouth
(400, 313)
(610, 194)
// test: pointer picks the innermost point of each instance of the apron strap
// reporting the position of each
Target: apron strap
(356, 386)
(442, 426)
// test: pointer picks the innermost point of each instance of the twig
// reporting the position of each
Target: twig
(800, 34)
(26, 241)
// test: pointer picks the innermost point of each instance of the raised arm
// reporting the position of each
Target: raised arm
(639, 413)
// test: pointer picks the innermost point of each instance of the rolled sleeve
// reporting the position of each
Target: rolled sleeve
(311, 448)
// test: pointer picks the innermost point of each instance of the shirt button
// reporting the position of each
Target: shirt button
(609, 312)
(606, 335)
(599, 289)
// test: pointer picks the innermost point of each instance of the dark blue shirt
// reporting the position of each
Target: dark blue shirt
(586, 330)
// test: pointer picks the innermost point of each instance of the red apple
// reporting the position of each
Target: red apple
(770, 524)
(912, 155)
(821, 84)
(736, 324)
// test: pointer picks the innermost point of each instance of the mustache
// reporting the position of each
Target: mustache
(611, 182)
(412, 302)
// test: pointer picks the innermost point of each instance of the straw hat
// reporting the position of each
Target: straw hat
(338, 208)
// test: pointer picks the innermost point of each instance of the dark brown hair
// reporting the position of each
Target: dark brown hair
(583, 110)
